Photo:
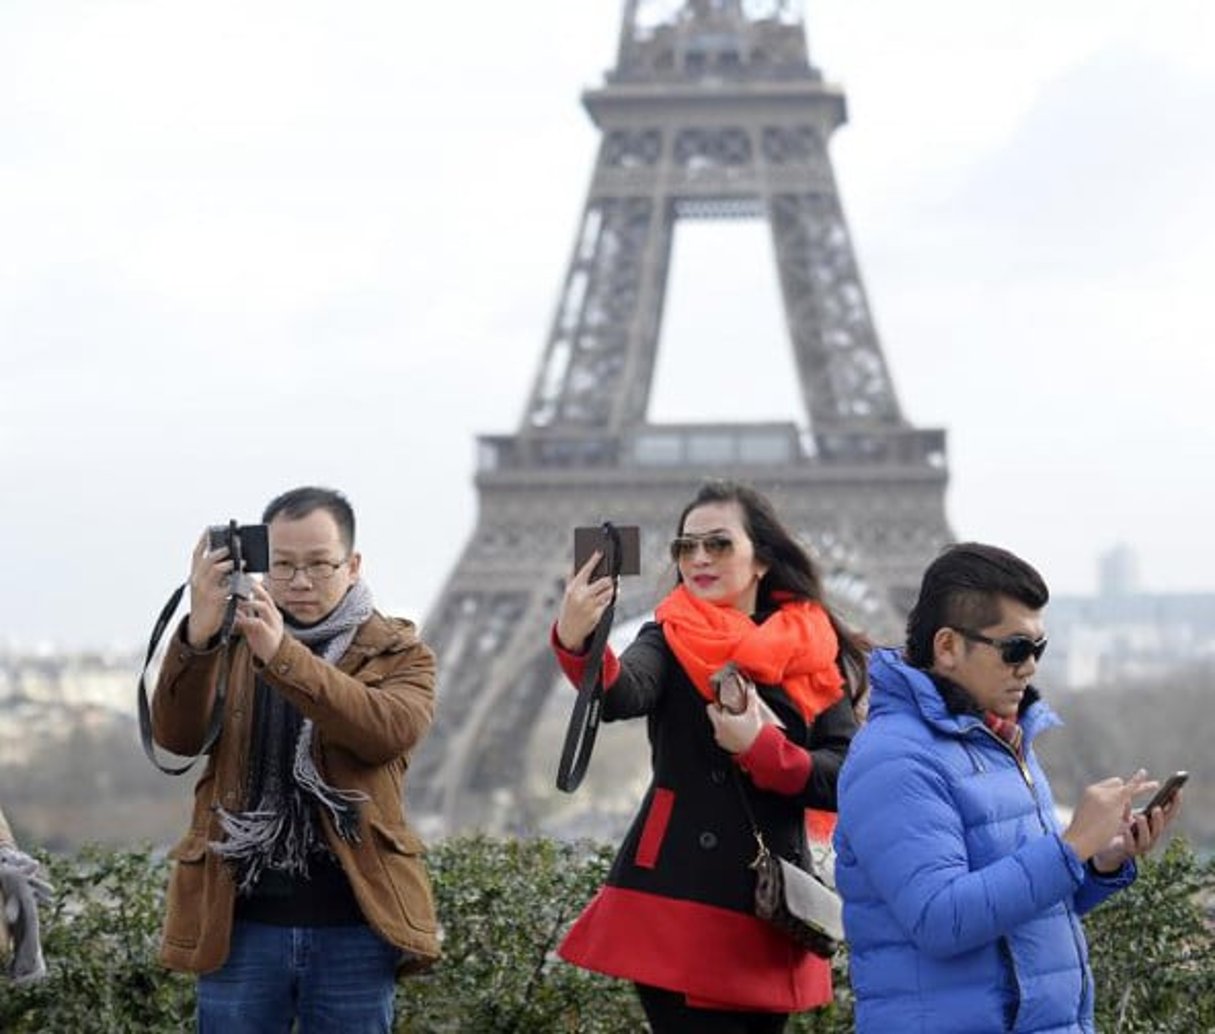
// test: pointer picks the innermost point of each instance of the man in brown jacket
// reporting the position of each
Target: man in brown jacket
(299, 890)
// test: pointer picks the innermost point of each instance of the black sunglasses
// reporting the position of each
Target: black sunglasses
(1014, 649)
(684, 546)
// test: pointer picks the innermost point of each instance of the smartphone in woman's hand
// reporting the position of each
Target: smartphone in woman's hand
(730, 688)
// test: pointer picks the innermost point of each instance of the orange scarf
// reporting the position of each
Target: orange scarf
(795, 648)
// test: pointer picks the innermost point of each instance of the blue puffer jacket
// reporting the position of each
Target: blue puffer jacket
(961, 900)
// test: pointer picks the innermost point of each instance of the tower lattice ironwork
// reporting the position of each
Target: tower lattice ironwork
(713, 111)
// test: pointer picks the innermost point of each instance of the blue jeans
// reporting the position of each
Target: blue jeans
(333, 979)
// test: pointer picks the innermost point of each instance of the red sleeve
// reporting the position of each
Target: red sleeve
(573, 664)
(775, 764)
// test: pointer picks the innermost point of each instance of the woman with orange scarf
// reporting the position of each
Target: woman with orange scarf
(676, 913)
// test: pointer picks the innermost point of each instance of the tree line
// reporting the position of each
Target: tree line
(95, 785)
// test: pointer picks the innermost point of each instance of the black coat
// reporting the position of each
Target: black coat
(699, 842)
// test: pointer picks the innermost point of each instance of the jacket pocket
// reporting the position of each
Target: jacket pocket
(655, 829)
(184, 899)
(400, 851)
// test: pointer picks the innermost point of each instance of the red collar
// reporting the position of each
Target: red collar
(1007, 729)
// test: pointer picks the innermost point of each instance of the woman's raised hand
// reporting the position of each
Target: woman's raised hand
(582, 605)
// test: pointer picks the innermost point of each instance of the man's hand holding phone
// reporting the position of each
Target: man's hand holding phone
(1149, 822)
(1143, 828)
(1167, 794)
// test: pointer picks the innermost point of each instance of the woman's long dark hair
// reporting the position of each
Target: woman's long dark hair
(791, 572)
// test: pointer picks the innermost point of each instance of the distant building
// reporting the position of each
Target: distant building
(1122, 634)
(1118, 572)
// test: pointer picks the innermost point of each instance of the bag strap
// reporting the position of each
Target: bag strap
(221, 685)
(762, 851)
(584, 721)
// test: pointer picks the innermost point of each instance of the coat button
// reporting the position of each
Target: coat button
(229, 795)
(283, 667)
(708, 840)
(718, 775)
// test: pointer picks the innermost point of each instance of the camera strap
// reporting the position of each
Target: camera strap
(584, 721)
(221, 685)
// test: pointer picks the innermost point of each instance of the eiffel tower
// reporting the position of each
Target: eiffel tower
(713, 111)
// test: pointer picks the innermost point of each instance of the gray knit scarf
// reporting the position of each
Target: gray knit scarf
(279, 831)
(21, 889)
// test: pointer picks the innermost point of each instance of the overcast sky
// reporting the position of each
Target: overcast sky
(246, 245)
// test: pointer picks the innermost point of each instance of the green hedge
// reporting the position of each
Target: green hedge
(504, 905)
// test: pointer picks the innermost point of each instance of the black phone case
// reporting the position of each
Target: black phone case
(588, 539)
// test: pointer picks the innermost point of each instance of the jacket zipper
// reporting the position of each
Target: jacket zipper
(1022, 767)
(1028, 776)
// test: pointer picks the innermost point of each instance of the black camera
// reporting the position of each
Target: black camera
(248, 545)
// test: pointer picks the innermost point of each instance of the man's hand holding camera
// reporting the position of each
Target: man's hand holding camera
(261, 623)
(210, 577)
(257, 618)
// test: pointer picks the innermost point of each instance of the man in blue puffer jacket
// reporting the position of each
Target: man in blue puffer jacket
(962, 892)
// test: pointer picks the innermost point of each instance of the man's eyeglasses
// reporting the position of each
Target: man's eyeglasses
(1014, 649)
(715, 546)
(314, 570)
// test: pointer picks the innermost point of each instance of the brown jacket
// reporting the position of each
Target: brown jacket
(370, 711)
